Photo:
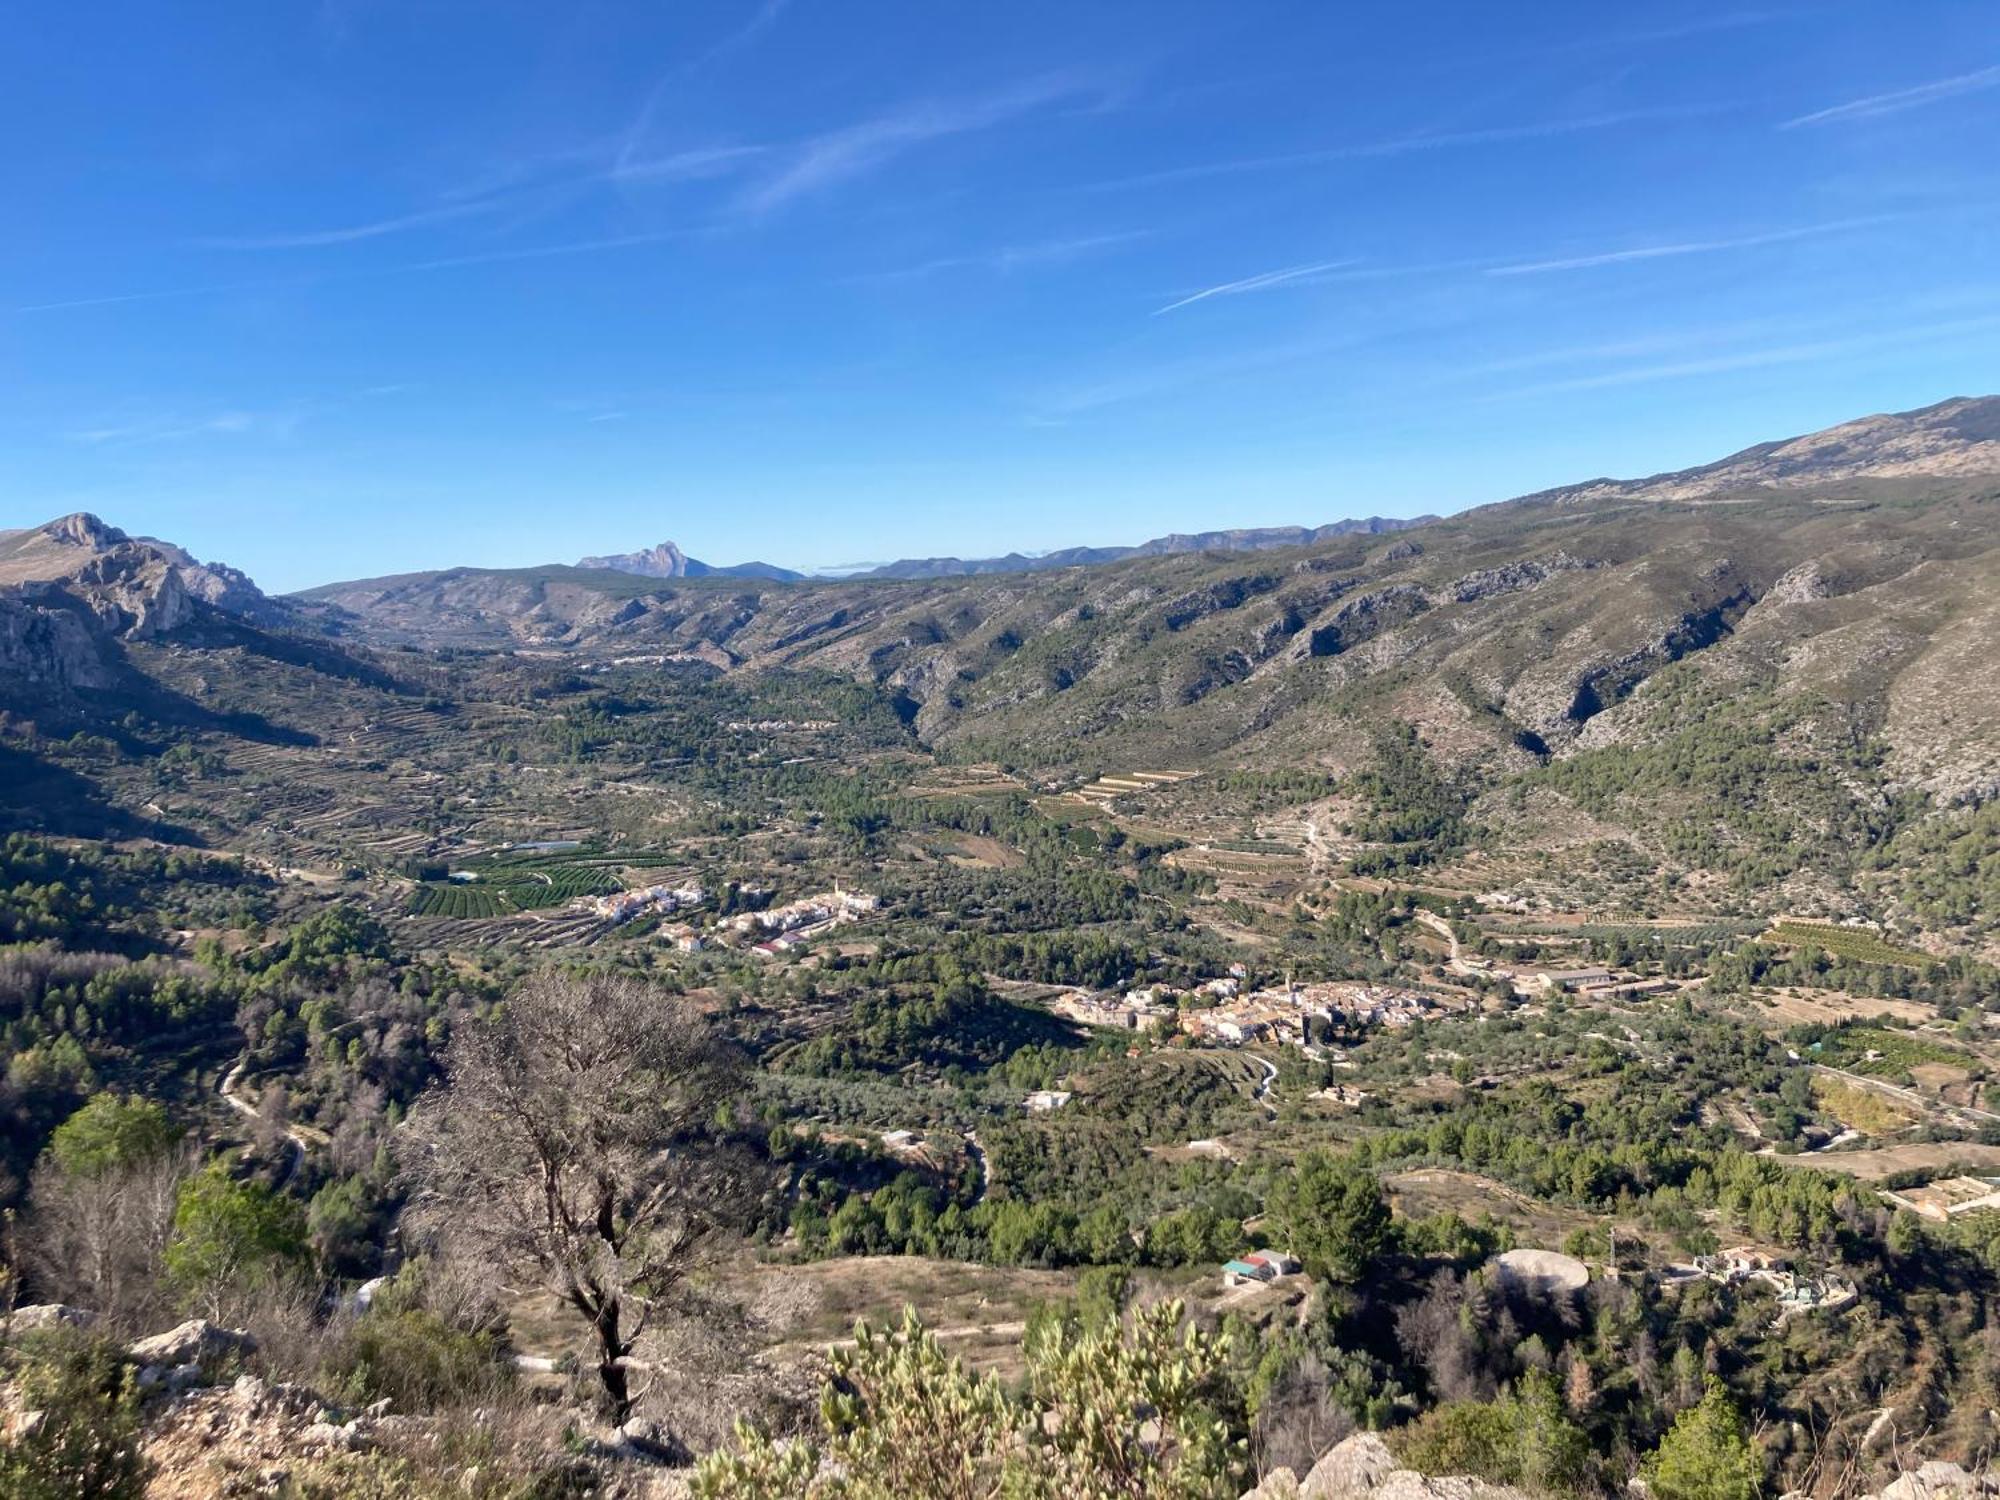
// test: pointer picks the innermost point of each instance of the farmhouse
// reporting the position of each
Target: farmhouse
(1549, 981)
(808, 917)
(1261, 1266)
(1129, 1014)
(1948, 1197)
(1746, 1263)
(625, 905)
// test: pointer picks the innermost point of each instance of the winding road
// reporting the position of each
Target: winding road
(249, 1112)
(1443, 929)
(1263, 1094)
(977, 1154)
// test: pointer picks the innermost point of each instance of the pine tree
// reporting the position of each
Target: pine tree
(1706, 1455)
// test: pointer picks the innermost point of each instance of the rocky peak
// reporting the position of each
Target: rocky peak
(663, 561)
(82, 529)
(134, 584)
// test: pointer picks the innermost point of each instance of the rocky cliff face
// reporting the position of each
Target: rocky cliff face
(48, 644)
(136, 585)
(664, 561)
(72, 590)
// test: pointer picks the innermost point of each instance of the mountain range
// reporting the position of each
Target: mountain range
(668, 561)
(1852, 575)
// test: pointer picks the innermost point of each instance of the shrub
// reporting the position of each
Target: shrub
(85, 1444)
(416, 1359)
(1525, 1438)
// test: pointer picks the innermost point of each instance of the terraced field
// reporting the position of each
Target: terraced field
(1862, 944)
(509, 883)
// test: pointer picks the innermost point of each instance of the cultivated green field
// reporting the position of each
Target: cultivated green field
(515, 882)
(1858, 943)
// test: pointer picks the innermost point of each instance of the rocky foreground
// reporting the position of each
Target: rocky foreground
(212, 1432)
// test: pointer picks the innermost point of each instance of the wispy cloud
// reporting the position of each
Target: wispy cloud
(1011, 258)
(1683, 247)
(1264, 282)
(557, 251)
(1705, 26)
(177, 427)
(632, 142)
(351, 233)
(693, 165)
(1755, 359)
(820, 162)
(1057, 404)
(748, 34)
(1876, 105)
(159, 295)
(1409, 144)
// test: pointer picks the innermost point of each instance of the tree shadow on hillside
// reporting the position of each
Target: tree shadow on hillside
(41, 798)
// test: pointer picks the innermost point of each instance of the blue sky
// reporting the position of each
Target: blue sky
(376, 285)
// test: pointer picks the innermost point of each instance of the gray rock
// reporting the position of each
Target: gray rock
(1938, 1480)
(196, 1342)
(332, 1436)
(44, 1316)
(1363, 1468)
(1355, 1467)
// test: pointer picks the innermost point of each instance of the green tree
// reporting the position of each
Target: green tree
(1332, 1214)
(1706, 1455)
(111, 1133)
(230, 1237)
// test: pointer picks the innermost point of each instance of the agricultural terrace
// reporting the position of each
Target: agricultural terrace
(1862, 944)
(511, 881)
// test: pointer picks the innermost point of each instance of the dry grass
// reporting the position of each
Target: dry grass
(1429, 1190)
(1792, 1007)
(1879, 1162)
(1862, 1109)
(981, 1310)
(982, 852)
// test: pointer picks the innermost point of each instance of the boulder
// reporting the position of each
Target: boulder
(1355, 1467)
(1363, 1468)
(45, 1315)
(1937, 1480)
(195, 1342)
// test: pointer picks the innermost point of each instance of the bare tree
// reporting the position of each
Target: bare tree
(584, 1132)
(99, 1238)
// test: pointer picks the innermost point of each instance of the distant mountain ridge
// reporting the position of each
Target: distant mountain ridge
(1951, 439)
(73, 589)
(1954, 437)
(1243, 539)
(668, 561)
(1857, 568)
(83, 549)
